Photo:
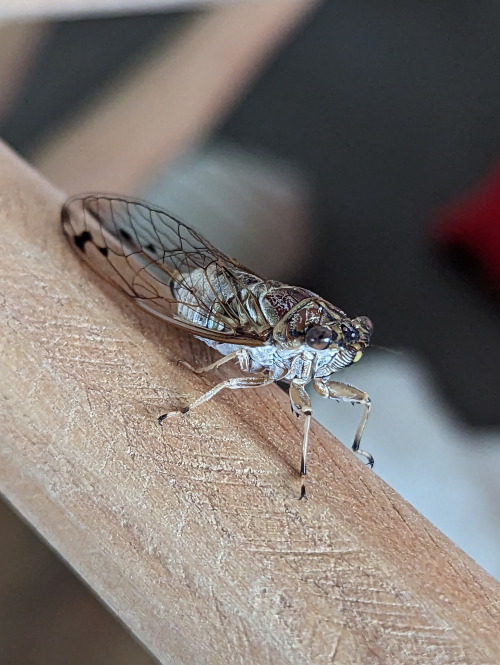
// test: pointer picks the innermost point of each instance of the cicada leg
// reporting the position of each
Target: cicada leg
(347, 393)
(301, 404)
(207, 368)
(255, 381)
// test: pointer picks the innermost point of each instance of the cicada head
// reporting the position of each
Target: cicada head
(319, 326)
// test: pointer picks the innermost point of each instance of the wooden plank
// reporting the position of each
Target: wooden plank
(193, 534)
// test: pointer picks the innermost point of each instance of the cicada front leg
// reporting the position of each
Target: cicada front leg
(301, 405)
(347, 393)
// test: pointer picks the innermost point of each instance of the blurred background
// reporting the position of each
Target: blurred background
(349, 147)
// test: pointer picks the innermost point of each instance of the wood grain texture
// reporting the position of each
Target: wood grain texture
(193, 533)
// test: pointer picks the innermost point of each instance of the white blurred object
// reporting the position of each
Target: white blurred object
(250, 204)
(447, 471)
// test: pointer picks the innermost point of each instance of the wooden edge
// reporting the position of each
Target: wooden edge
(193, 533)
(176, 97)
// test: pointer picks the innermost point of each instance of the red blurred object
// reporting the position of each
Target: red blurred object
(471, 225)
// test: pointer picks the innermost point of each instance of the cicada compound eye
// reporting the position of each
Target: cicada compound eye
(319, 337)
(365, 328)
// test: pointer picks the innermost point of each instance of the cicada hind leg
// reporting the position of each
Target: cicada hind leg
(253, 381)
(208, 368)
(301, 405)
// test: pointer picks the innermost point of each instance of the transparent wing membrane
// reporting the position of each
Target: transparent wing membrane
(171, 270)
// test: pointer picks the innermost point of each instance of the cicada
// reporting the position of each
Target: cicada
(273, 331)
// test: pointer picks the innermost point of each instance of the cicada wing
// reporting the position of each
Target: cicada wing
(167, 267)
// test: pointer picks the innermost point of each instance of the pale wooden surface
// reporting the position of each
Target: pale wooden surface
(193, 533)
(173, 99)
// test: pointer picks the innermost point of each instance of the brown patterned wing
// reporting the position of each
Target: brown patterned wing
(167, 267)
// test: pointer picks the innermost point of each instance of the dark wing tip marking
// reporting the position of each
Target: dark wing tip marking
(103, 250)
(125, 234)
(82, 239)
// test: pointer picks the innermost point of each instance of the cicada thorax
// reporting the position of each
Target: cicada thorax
(296, 318)
(278, 300)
